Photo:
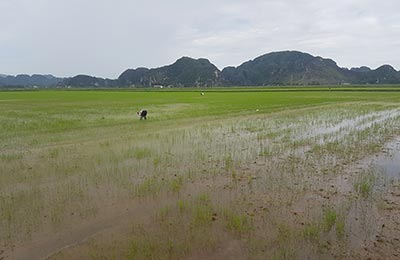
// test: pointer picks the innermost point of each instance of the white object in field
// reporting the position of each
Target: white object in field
(257, 110)
(202, 93)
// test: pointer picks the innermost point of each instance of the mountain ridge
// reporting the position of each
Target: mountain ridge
(25, 80)
(274, 68)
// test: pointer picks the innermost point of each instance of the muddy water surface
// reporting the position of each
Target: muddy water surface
(274, 186)
(389, 160)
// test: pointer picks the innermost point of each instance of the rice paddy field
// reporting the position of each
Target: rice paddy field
(226, 175)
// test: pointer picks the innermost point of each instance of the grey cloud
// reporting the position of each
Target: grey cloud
(104, 37)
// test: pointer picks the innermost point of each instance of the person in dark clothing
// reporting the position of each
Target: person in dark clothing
(142, 114)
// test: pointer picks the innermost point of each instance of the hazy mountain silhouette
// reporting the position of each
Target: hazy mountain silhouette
(275, 68)
(185, 72)
(24, 80)
(285, 68)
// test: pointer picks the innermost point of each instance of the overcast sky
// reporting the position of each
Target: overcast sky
(105, 37)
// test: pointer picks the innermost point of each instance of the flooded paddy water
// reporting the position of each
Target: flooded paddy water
(389, 159)
(310, 183)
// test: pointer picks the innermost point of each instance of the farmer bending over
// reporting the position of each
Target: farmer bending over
(142, 113)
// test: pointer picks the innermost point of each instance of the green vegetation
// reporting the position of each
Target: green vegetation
(330, 217)
(364, 184)
(238, 223)
(232, 172)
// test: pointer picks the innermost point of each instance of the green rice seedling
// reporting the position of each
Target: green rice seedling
(202, 210)
(202, 214)
(312, 232)
(183, 206)
(284, 233)
(164, 211)
(147, 247)
(97, 252)
(234, 175)
(176, 184)
(156, 162)
(150, 186)
(228, 162)
(142, 153)
(364, 184)
(53, 153)
(330, 217)
(340, 227)
(266, 151)
(143, 250)
(363, 187)
(105, 144)
(11, 157)
(284, 253)
(238, 223)
(203, 198)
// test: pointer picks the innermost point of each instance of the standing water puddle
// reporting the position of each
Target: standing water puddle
(389, 160)
(346, 126)
(363, 221)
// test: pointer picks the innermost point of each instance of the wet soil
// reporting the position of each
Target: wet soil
(373, 224)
